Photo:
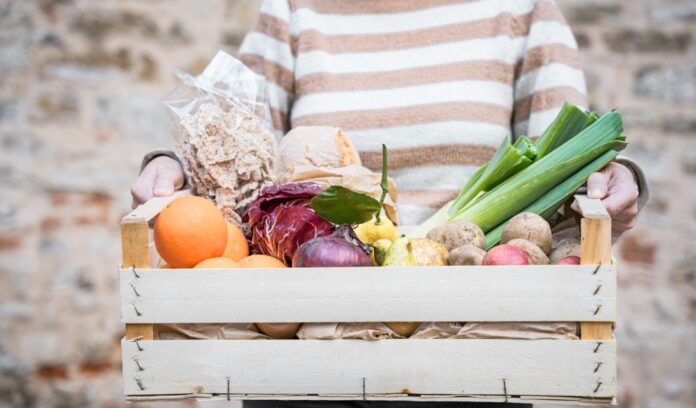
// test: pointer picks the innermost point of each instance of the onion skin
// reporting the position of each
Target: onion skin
(341, 249)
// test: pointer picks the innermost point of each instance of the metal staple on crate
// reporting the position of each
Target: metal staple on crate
(597, 290)
(137, 312)
(137, 342)
(228, 388)
(596, 269)
(597, 309)
(599, 384)
(132, 285)
(135, 273)
(505, 390)
(598, 345)
(137, 362)
(599, 364)
(364, 397)
(140, 383)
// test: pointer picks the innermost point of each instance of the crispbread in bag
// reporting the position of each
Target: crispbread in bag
(224, 134)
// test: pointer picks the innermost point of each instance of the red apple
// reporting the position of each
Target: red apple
(569, 260)
(506, 255)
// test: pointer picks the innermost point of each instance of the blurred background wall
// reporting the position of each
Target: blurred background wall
(81, 84)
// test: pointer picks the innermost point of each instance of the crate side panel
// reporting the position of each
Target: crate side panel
(426, 367)
(533, 293)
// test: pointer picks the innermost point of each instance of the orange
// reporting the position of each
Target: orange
(237, 246)
(219, 263)
(261, 261)
(189, 230)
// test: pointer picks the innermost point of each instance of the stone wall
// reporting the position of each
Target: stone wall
(81, 84)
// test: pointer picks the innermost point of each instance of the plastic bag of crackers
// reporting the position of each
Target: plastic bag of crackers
(223, 128)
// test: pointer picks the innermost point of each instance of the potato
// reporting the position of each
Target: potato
(428, 253)
(529, 226)
(454, 234)
(535, 254)
(467, 255)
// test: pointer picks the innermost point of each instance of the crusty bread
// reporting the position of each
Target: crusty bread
(320, 146)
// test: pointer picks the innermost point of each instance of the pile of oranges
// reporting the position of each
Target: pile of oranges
(192, 233)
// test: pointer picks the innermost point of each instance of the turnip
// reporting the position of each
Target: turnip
(506, 255)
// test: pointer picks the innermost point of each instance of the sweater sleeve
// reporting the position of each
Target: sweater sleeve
(548, 73)
(268, 51)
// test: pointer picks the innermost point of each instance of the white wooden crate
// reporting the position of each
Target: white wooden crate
(422, 370)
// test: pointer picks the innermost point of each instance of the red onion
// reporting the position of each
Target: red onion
(340, 249)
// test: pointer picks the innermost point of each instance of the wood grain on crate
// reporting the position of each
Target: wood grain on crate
(595, 249)
(485, 293)
(563, 368)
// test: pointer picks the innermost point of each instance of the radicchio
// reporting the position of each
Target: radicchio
(281, 220)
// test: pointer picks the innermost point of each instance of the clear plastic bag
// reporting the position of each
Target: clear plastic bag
(223, 133)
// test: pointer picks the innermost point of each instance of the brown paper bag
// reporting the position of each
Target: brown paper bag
(519, 331)
(204, 331)
(358, 331)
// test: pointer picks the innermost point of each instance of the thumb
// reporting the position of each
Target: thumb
(164, 184)
(597, 185)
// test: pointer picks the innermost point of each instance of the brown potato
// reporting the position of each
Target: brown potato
(454, 234)
(535, 254)
(529, 226)
(467, 255)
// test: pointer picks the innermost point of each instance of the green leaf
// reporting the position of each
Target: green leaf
(339, 205)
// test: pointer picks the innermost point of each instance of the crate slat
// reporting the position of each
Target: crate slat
(489, 293)
(561, 368)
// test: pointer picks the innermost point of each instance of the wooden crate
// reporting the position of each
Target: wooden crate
(421, 370)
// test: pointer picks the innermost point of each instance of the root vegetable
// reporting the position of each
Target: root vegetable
(535, 254)
(428, 253)
(403, 329)
(529, 226)
(467, 255)
(565, 248)
(506, 255)
(569, 260)
(454, 234)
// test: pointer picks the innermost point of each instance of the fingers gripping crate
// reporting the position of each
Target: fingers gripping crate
(422, 370)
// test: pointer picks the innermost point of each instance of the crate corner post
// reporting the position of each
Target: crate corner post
(595, 249)
(136, 254)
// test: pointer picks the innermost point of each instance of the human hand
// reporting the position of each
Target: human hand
(616, 186)
(160, 178)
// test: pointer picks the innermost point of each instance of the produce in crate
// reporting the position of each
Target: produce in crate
(534, 177)
(279, 330)
(467, 255)
(427, 252)
(568, 260)
(454, 234)
(237, 246)
(535, 254)
(188, 231)
(506, 255)
(281, 219)
(217, 263)
(261, 261)
(341, 249)
(530, 227)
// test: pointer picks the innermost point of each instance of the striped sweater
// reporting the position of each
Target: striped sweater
(440, 82)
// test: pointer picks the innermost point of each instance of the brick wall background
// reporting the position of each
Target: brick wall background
(81, 84)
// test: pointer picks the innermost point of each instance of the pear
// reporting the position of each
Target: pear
(399, 253)
(380, 249)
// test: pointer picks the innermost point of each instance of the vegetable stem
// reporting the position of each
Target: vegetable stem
(384, 184)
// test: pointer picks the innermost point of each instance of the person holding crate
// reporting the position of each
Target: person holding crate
(441, 82)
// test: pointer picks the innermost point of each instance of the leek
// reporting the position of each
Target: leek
(547, 205)
(507, 160)
(528, 185)
(568, 123)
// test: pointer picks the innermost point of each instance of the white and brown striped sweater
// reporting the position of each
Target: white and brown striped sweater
(440, 82)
